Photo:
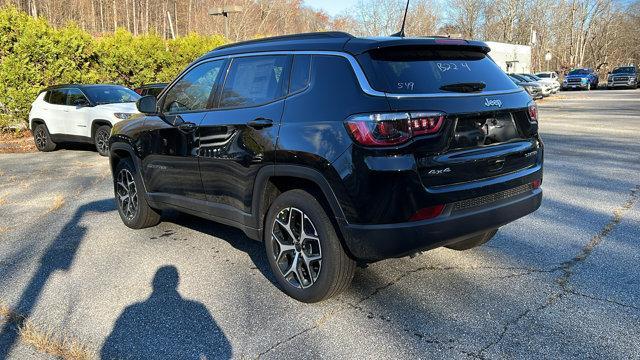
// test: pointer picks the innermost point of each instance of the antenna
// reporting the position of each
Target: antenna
(404, 20)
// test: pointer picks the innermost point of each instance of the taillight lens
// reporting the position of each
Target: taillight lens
(427, 213)
(536, 183)
(388, 129)
(533, 112)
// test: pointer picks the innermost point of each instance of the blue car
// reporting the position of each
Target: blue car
(581, 79)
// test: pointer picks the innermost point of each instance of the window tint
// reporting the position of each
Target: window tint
(622, 70)
(255, 80)
(74, 95)
(153, 91)
(192, 91)
(410, 70)
(300, 73)
(57, 97)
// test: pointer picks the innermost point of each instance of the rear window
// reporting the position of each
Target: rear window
(425, 71)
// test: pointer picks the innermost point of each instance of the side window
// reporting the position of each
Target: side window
(192, 91)
(74, 95)
(58, 97)
(255, 80)
(300, 71)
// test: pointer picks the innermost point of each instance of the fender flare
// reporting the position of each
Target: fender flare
(297, 171)
(95, 123)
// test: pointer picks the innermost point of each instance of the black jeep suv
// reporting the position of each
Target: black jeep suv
(335, 151)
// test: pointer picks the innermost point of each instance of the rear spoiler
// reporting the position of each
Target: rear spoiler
(357, 46)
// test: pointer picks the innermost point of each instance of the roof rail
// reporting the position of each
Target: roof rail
(302, 36)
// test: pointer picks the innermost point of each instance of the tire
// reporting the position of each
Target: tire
(132, 204)
(473, 242)
(324, 269)
(101, 139)
(42, 138)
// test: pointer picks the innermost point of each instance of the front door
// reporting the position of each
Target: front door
(170, 166)
(239, 136)
(79, 117)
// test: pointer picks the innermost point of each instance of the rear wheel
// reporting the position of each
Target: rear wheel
(473, 242)
(303, 248)
(101, 139)
(42, 138)
(133, 208)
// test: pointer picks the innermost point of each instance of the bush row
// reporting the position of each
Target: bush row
(34, 55)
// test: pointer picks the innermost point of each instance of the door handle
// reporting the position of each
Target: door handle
(260, 123)
(187, 126)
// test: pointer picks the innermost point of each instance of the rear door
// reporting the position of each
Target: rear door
(56, 111)
(486, 131)
(239, 136)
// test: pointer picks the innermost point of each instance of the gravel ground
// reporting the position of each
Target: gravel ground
(561, 283)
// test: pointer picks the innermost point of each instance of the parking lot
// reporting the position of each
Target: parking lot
(561, 283)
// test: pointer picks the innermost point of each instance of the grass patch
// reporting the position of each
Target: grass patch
(58, 202)
(45, 340)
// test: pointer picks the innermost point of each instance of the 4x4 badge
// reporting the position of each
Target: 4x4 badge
(492, 102)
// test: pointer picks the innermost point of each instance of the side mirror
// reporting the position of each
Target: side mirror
(81, 103)
(147, 104)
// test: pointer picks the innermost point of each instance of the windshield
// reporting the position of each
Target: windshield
(623, 70)
(579, 72)
(546, 76)
(411, 70)
(533, 77)
(110, 94)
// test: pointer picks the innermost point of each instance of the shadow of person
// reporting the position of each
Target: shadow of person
(166, 326)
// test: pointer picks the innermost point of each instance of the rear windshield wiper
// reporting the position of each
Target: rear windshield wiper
(464, 87)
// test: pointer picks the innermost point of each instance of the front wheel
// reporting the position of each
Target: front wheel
(474, 241)
(133, 208)
(304, 251)
(42, 138)
(101, 139)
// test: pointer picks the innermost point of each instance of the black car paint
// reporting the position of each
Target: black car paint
(371, 192)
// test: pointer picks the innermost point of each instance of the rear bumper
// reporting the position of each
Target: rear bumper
(378, 242)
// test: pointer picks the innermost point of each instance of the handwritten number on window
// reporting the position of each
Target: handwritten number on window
(444, 67)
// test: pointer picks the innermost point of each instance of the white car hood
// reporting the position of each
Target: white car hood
(548, 81)
(121, 107)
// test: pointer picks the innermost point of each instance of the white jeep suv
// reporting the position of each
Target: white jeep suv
(80, 113)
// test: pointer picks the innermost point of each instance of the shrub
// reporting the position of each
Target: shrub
(34, 55)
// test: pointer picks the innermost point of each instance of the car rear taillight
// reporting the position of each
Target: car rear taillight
(536, 183)
(533, 112)
(427, 213)
(389, 129)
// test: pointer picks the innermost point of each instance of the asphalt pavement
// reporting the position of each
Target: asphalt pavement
(560, 283)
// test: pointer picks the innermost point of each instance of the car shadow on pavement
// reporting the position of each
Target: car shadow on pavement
(166, 326)
(58, 256)
(231, 235)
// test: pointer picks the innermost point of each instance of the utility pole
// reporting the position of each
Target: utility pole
(225, 11)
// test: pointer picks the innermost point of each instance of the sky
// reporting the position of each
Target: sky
(332, 7)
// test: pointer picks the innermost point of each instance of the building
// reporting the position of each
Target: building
(510, 57)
